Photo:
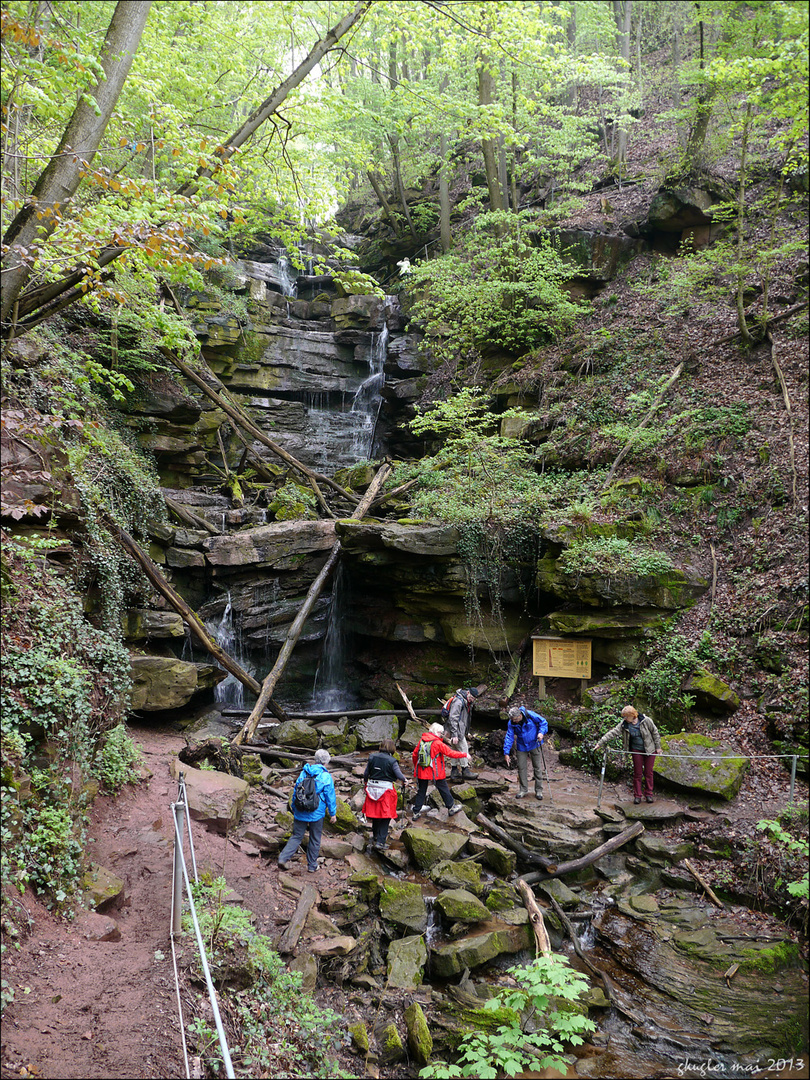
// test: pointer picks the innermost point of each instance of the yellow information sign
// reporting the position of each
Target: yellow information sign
(562, 658)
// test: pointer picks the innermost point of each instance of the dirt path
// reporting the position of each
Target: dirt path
(86, 1007)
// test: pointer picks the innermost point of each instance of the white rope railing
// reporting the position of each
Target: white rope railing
(181, 817)
(714, 758)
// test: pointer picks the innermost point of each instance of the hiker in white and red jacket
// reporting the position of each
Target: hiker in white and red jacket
(435, 771)
(458, 727)
(525, 731)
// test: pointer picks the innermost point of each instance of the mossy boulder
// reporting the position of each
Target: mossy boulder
(608, 622)
(101, 888)
(295, 733)
(414, 729)
(389, 1043)
(669, 589)
(458, 875)
(476, 949)
(372, 730)
(661, 850)
(427, 847)
(406, 960)
(710, 692)
(496, 856)
(402, 904)
(347, 821)
(359, 1036)
(502, 897)
(458, 905)
(565, 897)
(420, 1041)
(701, 764)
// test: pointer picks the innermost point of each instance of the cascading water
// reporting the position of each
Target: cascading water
(330, 692)
(230, 691)
(366, 405)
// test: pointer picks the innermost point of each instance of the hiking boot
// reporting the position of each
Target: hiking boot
(416, 814)
(636, 800)
(455, 809)
(468, 774)
(539, 795)
(650, 798)
(454, 774)
(521, 795)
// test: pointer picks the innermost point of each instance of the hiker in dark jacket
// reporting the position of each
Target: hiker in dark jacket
(525, 731)
(640, 737)
(312, 819)
(458, 728)
(435, 771)
(380, 806)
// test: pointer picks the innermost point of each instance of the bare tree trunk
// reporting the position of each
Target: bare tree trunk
(526, 854)
(59, 180)
(623, 12)
(379, 191)
(609, 846)
(740, 302)
(269, 684)
(536, 919)
(485, 88)
(444, 196)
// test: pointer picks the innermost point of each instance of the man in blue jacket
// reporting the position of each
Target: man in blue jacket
(312, 819)
(525, 732)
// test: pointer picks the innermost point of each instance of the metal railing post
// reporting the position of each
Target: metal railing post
(179, 813)
(793, 763)
(601, 781)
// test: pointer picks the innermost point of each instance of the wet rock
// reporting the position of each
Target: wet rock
(639, 906)
(565, 897)
(141, 623)
(406, 961)
(335, 946)
(477, 949)
(458, 905)
(420, 1041)
(608, 623)
(372, 730)
(427, 847)
(502, 897)
(702, 764)
(270, 545)
(671, 851)
(458, 875)
(346, 822)
(295, 733)
(671, 589)
(414, 729)
(500, 859)
(214, 798)
(402, 904)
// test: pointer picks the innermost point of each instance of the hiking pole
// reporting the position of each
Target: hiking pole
(601, 781)
(545, 770)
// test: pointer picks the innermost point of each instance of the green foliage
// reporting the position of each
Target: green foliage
(500, 286)
(660, 682)
(545, 1024)
(64, 684)
(116, 762)
(611, 555)
(795, 845)
(278, 1027)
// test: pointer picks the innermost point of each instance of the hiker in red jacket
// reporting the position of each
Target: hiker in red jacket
(431, 749)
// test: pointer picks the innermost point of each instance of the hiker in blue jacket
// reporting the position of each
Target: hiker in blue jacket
(312, 819)
(525, 732)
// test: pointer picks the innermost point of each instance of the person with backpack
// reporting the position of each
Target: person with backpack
(525, 731)
(380, 806)
(313, 797)
(459, 719)
(428, 764)
(641, 738)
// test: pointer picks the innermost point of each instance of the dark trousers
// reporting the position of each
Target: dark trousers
(294, 843)
(441, 786)
(379, 830)
(643, 771)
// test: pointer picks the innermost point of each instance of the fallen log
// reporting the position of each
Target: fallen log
(289, 939)
(525, 853)
(715, 899)
(188, 517)
(536, 919)
(351, 714)
(191, 619)
(613, 844)
(268, 686)
(281, 752)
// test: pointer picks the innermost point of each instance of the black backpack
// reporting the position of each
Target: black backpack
(305, 794)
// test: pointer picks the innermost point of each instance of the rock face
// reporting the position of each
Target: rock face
(160, 682)
(702, 764)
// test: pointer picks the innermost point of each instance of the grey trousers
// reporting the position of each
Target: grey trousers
(463, 748)
(523, 769)
(294, 843)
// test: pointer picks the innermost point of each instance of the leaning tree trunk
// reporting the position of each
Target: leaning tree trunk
(293, 634)
(58, 182)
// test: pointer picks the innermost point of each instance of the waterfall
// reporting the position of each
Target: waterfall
(287, 277)
(331, 692)
(230, 691)
(366, 405)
